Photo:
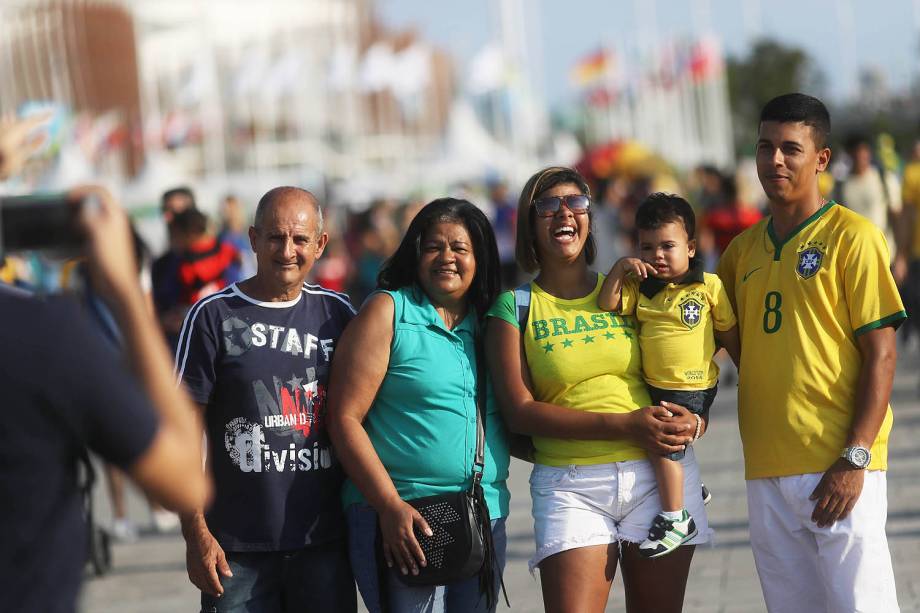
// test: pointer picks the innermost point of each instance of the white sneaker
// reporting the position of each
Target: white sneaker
(165, 521)
(124, 530)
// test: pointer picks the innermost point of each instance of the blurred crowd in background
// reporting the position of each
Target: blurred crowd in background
(207, 251)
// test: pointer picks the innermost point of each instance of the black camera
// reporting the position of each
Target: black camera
(41, 222)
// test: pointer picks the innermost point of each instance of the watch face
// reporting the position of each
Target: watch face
(859, 456)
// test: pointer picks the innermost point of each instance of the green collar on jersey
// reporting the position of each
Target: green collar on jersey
(778, 244)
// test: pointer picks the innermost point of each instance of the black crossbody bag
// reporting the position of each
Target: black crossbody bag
(461, 544)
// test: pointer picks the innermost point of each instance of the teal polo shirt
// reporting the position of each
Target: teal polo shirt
(423, 421)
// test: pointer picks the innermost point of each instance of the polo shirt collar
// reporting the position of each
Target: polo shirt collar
(652, 285)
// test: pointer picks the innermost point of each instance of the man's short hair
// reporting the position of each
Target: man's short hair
(800, 108)
(660, 208)
(183, 191)
(190, 222)
(277, 193)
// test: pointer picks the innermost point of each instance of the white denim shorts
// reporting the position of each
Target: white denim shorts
(803, 568)
(579, 506)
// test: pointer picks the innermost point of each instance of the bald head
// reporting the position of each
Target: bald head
(287, 195)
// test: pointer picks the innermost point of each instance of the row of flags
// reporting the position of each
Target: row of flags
(613, 72)
(671, 96)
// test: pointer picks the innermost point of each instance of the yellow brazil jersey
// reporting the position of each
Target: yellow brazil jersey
(676, 327)
(910, 193)
(801, 304)
(584, 358)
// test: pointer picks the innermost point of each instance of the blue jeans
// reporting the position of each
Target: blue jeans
(460, 597)
(695, 401)
(316, 578)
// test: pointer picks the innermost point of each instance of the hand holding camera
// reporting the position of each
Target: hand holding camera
(108, 244)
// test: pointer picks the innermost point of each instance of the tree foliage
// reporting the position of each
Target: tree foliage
(769, 69)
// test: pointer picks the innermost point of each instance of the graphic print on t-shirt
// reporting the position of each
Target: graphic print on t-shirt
(287, 361)
(290, 406)
(239, 337)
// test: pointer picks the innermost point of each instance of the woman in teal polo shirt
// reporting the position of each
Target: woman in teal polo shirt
(402, 404)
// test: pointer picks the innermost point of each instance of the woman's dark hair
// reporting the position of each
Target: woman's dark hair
(401, 269)
(190, 222)
(525, 249)
(660, 208)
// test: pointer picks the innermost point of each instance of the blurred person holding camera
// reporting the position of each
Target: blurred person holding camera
(76, 280)
(64, 392)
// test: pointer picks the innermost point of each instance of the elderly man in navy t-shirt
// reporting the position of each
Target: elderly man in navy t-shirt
(256, 356)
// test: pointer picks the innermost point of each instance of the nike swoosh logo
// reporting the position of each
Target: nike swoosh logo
(749, 273)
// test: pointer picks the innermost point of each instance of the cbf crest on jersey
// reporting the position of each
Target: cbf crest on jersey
(811, 256)
(691, 312)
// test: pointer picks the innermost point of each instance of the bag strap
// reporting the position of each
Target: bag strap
(522, 304)
(486, 582)
(479, 460)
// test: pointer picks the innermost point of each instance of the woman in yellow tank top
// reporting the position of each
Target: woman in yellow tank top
(572, 380)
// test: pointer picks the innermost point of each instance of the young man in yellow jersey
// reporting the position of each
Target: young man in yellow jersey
(681, 311)
(817, 308)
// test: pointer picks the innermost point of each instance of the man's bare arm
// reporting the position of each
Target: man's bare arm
(841, 485)
(205, 559)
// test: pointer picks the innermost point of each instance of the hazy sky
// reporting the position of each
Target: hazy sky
(841, 35)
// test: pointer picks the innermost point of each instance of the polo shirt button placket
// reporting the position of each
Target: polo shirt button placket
(461, 354)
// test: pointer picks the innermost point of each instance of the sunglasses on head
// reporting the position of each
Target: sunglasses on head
(549, 206)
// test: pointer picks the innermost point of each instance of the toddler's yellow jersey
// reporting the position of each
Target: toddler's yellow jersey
(801, 304)
(582, 358)
(676, 328)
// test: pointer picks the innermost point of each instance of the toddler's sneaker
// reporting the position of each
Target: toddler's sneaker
(666, 535)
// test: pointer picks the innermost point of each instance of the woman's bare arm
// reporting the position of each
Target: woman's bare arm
(362, 357)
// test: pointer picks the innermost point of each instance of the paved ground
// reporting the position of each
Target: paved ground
(149, 575)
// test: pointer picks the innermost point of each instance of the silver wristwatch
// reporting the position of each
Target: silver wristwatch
(858, 457)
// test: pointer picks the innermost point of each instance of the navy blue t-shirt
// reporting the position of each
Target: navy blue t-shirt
(63, 388)
(262, 368)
